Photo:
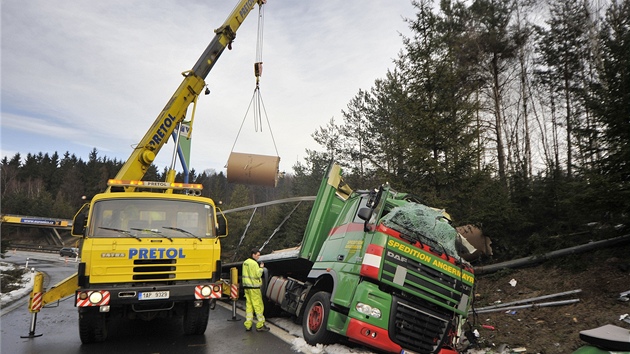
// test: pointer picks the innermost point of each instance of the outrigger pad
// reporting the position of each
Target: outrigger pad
(608, 337)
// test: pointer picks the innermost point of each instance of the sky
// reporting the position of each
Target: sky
(83, 75)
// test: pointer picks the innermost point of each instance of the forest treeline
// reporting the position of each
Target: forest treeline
(513, 115)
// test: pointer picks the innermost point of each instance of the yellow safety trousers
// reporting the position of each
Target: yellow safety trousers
(254, 303)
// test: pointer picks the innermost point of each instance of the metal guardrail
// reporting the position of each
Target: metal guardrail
(273, 202)
(33, 248)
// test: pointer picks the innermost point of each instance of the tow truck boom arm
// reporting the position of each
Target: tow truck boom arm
(175, 110)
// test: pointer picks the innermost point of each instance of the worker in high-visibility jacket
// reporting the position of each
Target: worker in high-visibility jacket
(251, 279)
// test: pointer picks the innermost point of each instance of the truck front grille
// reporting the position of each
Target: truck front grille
(418, 327)
(423, 281)
(154, 269)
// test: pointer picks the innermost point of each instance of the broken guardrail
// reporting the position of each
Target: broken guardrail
(514, 305)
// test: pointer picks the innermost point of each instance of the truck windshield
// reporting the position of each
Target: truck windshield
(429, 226)
(147, 218)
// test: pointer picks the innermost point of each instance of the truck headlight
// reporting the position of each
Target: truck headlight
(206, 291)
(368, 310)
(96, 297)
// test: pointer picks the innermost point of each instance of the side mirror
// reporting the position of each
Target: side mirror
(79, 222)
(365, 214)
(221, 224)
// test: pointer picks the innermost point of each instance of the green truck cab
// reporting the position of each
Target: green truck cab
(377, 267)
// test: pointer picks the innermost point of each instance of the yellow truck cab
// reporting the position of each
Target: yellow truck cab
(147, 255)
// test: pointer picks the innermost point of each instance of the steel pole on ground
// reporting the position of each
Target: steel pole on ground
(553, 254)
(31, 333)
(531, 299)
(234, 318)
(542, 304)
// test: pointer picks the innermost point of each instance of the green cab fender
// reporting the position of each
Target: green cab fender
(324, 280)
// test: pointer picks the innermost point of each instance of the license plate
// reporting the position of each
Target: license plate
(153, 295)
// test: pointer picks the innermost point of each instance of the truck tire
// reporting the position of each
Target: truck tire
(315, 320)
(196, 318)
(92, 326)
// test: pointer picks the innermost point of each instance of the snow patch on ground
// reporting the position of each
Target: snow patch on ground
(300, 345)
(26, 285)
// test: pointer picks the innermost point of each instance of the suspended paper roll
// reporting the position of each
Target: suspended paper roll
(259, 170)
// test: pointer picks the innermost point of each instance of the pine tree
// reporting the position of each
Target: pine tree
(562, 49)
(611, 105)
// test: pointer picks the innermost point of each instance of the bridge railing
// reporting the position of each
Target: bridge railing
(33, 248)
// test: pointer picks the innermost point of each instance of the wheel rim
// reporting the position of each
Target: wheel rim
(315, 317)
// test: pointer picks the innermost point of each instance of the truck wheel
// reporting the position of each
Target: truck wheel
(196, 318)
(92, 326)
(315, 320)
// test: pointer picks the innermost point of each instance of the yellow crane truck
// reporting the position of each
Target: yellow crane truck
(150, 249)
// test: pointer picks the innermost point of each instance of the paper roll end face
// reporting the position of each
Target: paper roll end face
(259, 170)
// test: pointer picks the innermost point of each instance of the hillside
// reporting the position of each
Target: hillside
(601, 275)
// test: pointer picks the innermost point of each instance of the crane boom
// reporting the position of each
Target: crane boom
(175, 110)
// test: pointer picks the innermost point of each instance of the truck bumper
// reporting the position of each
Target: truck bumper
(146, 295)
(372, 336)
(377, 337)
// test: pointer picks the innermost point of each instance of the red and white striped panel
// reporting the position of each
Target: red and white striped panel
(86, 302)
(234, 291)
(213, 294)
(198, 295)
(372, 261)
(36, 305)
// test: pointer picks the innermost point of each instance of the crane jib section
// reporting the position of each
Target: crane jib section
(247, 8)
(163, 131)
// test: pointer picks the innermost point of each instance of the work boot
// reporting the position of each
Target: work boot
(248, 329)
(263, 329)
